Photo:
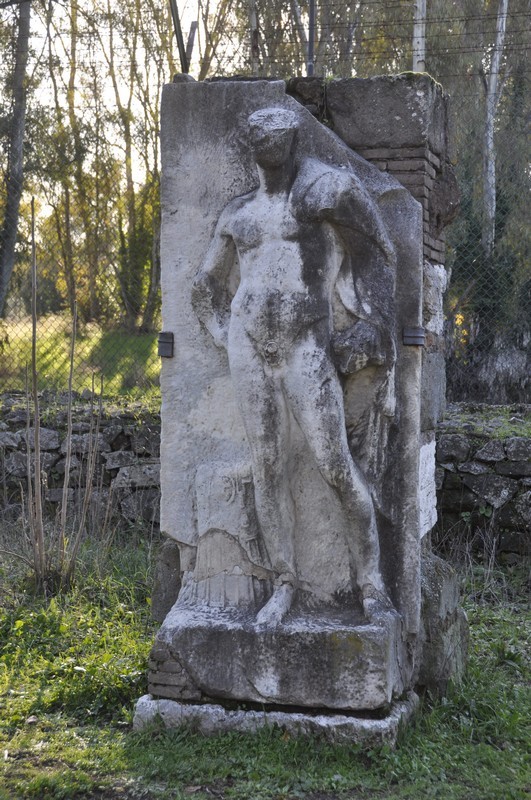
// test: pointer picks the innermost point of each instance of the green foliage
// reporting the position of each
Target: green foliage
(73, 667)
(127, 362)
(473, 743)
(83, 654)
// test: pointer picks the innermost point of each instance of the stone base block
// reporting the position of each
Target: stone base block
(444, 627)
(211, 719)
(311, 660)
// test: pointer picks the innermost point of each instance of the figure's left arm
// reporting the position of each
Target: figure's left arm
(371, 257)
(351, 209)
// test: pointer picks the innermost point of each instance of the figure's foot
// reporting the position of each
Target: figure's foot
(277, 606)
(375, 601)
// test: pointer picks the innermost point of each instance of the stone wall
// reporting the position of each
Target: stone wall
(125, 443)
(483, 465)
(484, 478)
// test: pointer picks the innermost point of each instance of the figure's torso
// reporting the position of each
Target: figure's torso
(287, 267)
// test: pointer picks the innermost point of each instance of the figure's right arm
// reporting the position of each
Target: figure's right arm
(210, 296)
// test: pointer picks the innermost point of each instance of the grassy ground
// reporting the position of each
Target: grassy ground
(127, 362)
(72, 667)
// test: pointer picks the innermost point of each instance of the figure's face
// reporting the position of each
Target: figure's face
(271, 147)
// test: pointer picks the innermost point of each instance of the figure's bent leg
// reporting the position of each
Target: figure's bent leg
(316, 398)
(266, 420)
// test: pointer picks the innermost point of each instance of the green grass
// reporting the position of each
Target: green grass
(502, 422)
(127, 362)
(72, 668)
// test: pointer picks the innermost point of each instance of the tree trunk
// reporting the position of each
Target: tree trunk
(15, 170)
(212, 33)
(83, 200)
(152, 302)
(493, 89)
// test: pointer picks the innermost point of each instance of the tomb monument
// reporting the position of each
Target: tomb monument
(293, 454)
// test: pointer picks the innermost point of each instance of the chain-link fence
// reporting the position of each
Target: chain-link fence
(488, 303)
(78, 127)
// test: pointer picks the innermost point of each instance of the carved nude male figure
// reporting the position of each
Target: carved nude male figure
(278, 332)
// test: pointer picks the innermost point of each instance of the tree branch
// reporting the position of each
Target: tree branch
(8, 3)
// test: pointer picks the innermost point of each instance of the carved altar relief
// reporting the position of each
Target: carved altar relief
(307, 236)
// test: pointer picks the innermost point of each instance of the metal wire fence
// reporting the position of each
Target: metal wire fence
(89, 155)
(488, 302)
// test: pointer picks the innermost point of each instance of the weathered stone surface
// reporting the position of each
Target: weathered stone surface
(143, 475)
(141, 506)
(9, 440)
(56, 495)
(166, 581)
(112, 423)
(147, 441)
(406, 111)
(453, 480)
(208, 420)
(458, 500)
(427, 488)
(17, 417)
(473, 467)
(49, 439)
(518, 449)
(494, 489)
(83, 443)
(211, 719)
(516, 469)
(308, 91)
(517, 513)
(433, 390)
(60, 466)
(16, 463)
(435, 280)
(453, 447)
(81, 427)
(516, 541)
(445, 628)
(491, 451)
(448, 466)
(315, 661)
(523, 505)
(119, 458)
(165, 666)
(290, 270)
(101, 504)
(444, 199)
(111, 433)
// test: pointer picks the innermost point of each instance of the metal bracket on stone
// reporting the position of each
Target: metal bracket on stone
(165, 342)
(414, 336)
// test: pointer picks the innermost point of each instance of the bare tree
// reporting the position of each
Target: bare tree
(493, 83)
(15, 168)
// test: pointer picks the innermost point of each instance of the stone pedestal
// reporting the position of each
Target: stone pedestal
(310, 661)
(209, 720)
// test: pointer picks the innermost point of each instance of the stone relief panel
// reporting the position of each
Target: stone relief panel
(291, 267)
(307, 235)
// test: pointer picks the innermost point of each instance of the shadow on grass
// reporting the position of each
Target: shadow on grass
(127, 362)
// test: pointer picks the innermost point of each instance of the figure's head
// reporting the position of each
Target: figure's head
(272, 131)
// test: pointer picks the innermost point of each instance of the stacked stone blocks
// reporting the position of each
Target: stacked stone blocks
(125, 444)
